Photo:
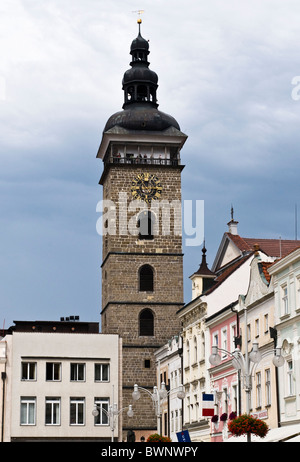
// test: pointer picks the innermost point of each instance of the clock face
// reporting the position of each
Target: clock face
(146, 187)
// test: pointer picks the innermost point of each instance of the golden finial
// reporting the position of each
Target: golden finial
(139, 12)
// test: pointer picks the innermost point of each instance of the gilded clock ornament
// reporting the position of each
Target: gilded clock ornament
(146, 187)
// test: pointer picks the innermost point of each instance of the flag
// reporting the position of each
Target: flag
(208, 405)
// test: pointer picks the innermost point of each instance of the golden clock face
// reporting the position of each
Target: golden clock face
(146, 187)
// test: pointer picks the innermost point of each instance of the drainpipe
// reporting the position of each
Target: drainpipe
(180, 351)
(3, 377)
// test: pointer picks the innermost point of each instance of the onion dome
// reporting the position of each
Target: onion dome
(140, 101)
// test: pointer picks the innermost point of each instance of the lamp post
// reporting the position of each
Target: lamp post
(112, 414)
(246, 365)
(158, 396)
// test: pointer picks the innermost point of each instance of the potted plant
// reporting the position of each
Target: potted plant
(232, 415)
(215, 419)
(223, 417)
(156, 438)
(245, 423)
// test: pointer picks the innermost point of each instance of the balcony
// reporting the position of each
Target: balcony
(131, 159)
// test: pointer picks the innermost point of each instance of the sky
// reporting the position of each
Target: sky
(229, 72)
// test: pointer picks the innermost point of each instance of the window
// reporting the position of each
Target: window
(249, 332)
(102, 406)
(52, 416)
(53, 371)
(216, 339)
(266, 323)
(145, 224)
(298, 293)
(258, 390)
(224, 342)
(290, 378)
(28, 371)
(165, 424)
(268, 387)
(77, 406)
(146, 278)
(28, 409)
(146, 323)
(285, 301)
(77, 372)
(101, 372)
(225, 400)
(195, 350)
(202, 354)
(232, 337)
(256, 327)
(234, 398)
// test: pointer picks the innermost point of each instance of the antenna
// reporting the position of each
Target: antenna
(296, 222)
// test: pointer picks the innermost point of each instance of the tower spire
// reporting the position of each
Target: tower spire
(139, 82)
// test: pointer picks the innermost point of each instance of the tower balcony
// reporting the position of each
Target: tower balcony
(142, 160)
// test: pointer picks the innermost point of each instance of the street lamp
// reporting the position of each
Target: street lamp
(158, 396)
(243, 364)
(112, 414)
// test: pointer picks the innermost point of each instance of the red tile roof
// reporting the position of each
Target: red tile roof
(264, 268)
(271, 247)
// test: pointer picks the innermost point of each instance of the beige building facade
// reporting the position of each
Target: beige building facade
(53, 381)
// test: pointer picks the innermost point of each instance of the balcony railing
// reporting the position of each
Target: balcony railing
(142, 160)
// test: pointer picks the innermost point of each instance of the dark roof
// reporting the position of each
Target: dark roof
(141, 117)
(78, 327)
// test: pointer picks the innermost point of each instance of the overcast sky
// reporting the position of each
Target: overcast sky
(225, 73)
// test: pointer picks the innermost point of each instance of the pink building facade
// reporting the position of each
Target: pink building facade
(225, 380)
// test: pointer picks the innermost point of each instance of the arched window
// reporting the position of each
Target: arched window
(146, 323)
(145, 224)
(195, 350)
(146, 279)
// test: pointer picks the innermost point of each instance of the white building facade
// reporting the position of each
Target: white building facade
(54, 380)
(286, 282)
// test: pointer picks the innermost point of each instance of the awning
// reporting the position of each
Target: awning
(287, 433)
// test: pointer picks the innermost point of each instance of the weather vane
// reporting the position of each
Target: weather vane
(139, 12)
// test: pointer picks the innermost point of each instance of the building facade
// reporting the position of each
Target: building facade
(55, 374)
(286, 282)
(169, 370)
(142, 260)
(256, 313)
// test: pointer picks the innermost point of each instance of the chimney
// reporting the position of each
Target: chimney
(232, 224)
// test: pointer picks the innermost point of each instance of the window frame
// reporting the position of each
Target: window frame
(102, 417)
(51, 402)
(27, 401)
(27, 365)
(75, 404)
(101, 374)
(53, 373)
(145, 328)
(74, 372)
(146, 281)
